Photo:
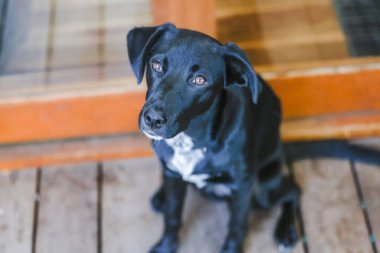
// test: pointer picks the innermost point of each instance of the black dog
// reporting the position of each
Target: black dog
(215, 124)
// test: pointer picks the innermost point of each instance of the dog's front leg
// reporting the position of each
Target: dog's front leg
(175, 191)
(240, 207)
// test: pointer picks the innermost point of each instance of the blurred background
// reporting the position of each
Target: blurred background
(69, 105)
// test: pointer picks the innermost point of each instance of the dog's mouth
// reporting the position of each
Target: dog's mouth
(152, 136)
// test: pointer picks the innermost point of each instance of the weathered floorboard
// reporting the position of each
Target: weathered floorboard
(17, 196)
(204, 224)
(205, 227)
(67, 220)
(331, 211)
(128, 223)
(73, 151)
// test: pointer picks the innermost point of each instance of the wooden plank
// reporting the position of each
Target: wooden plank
(205, 224)
(67, 220)
(71, 117)
(260, 238)
(127, 188)
(192, 14)
(17, 196)
(319, 67)
(328, 93)
(342, 91)
(206, 221)
(131, 146)
(331, 210)
(369, 178)
(126, 214)
(73, 151)
(332, 126)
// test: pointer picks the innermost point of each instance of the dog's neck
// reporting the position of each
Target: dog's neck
(202, 129)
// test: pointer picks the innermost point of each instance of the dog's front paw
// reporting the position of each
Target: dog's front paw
(166, 245)
(232, 247)
(286, 236)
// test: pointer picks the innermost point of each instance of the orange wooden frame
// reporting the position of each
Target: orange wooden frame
(329, 101)
(333, 104)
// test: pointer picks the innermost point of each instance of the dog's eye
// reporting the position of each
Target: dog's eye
(157, 66)
(199, 80)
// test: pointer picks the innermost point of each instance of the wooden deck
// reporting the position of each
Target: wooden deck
(68, 56)
(104, 207)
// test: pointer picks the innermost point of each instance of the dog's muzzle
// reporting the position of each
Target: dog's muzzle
(152, 122)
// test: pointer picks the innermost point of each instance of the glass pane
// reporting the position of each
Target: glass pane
(291, 33)
(49, 46)
(57, 45)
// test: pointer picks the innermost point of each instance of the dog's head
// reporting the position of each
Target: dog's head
(185, 72)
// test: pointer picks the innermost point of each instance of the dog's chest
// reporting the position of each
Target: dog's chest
(185, 158)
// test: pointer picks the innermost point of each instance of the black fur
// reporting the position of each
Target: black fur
(236, 116)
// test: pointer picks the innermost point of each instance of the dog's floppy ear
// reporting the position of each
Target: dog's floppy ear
(239, 70)
(139, 41)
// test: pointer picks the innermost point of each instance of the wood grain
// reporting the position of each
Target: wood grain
(347, 101)
(71, 117)
(331, 210)
(328, 93)
(67, 220)
(369, 178)
(206, 221)
(127, 188)
(332, 126)
(74, 151)
(17, 196)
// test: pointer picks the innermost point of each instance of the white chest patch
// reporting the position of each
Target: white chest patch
(185, 159)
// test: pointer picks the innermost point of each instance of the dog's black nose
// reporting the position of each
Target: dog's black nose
(154, 119)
